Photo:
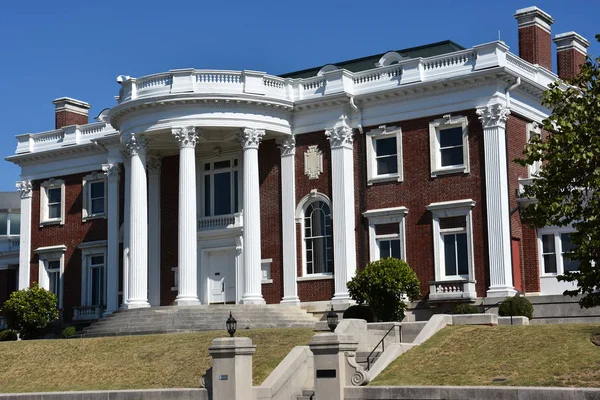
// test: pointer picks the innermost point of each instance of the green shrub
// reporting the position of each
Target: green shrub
(29, 311)
(68, 332)
(466, 309)
(360, 312)
(383, 285)
(517, 307)
(8, 335)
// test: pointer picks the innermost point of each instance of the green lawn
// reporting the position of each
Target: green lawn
(536, 355)
(131, 362)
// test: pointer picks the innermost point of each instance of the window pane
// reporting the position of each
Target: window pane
(451, 137)
(54, 195)
(549, 263)
(384, 249)
(97, 190)
(97, 260)
(97, 206)
(319, 253)
(395, 245)
(452, 156)
(568, 265)
(15, 224)
(462, 253)
(236, 207)
(548, 243)
(387, 165)
(207, 195)
(3, 224)
(54, 278)
(450, 254)
(54, 211)
(207, 167)
(222, 164)
(222, 193)
(97, 286)
(53, 265)
(385, 147)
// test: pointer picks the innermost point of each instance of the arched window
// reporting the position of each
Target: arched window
(318, 243)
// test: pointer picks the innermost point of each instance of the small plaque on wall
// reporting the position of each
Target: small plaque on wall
(313, 162)
(326, 373)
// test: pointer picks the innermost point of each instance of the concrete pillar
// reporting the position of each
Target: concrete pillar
(493, 118)
(138, 224)
(250, 139)
(24, 187)
(113, 173)
(154, 165)
(287, 145)
(342, 210)
(232, 368)
(187, 250)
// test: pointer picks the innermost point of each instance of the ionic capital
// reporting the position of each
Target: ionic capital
(154, 163)
(25, 188)
(250, 138)
(186, 136)
(135, 144)
(341, 135)
(287, 145)
(493, 115)
(112, 171)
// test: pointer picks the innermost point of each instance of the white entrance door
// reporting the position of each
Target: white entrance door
(221, 276)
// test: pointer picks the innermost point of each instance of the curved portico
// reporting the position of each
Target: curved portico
(199, 116)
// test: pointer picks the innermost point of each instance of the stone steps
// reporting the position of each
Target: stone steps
(361, 358)
(307, 394)
(198, 318)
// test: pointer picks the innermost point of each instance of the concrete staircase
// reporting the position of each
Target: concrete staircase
(198, 318)
(361, 358)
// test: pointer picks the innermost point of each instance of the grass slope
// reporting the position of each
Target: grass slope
(536, 355)
(131, 362)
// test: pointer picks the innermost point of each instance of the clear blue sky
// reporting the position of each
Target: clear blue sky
(51, 49)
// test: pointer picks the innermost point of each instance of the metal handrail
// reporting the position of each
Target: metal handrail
(382, 343)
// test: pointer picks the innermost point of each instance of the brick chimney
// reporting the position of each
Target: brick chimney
(571, 50)
(68, 111)
(535, 43)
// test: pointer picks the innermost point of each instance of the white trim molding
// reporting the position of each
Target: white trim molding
(382, 216)
(307, 200)
(46, 255)
(44, 205)
(383, 132)
(436, 128)
(24, 187)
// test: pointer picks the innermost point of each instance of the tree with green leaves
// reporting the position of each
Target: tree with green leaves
(29, 311)
(567, 188)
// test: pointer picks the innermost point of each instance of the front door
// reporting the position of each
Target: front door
(221, 277)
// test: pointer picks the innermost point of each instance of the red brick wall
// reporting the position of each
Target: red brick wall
(419, 189)
(169, 211)
(68, 118)
(269, 171)
(535, 46)
(71, 234)
(568, 63)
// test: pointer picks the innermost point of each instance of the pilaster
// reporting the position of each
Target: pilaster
(493, 119)
(126, 156)
(250, 139)
(25, 188)
(154, 166)
(187, 249)
(287, 146)
(138, 223)
(344, 246)
(112, 172)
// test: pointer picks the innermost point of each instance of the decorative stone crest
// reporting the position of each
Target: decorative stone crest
(313, 162)
(186, 136)
(135, 144)
(287, 145)
(360, 377)
(111, 170)
(250, 138)
(341, 135)
(493, 115)
(154, 164)
(25, 188)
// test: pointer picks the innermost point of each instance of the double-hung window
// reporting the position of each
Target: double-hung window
(220, 187)
(449, 145)
(384, 153)
(53, 271)
(93, 273)
(51, 267)
(386, 233)
(94, 196)
(455, 245)
(555, 244)
(97, 285)
(52, 202)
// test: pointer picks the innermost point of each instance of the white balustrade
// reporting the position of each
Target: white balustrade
(452, 290)
(220, 222)
(87, 313)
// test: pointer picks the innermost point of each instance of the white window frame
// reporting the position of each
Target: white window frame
(88, 250)
(44, 214)
(383, 216)
(211, 173)
(88, 180)
(435, 156)
(556, 232)
(46, 255)
(7, 233)
(448, 209)
(383, 132)
(313, 196)
(533, 129)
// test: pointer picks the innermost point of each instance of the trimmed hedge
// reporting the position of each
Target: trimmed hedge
(360, 312)
(8, 335)
(516, 307)
(466, 309)
(68, 332)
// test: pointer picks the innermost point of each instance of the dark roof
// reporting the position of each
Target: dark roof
(365, 63)
(10, 201)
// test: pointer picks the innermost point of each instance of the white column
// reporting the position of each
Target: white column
(112, 172)
(154, 165)
(344, 242)
(287, 146)
(138, 224)
(250, 139)
(187, 235)
(127, 202)
(24, 187)
(493, 118)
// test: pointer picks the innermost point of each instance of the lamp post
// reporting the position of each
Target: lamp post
(332, 319)
(231, 324)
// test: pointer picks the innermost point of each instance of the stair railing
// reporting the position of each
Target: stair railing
(382, 343)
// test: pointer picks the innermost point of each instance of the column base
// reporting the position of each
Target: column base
(131, 305)
(253, 299)
(342, 298)
(107, 313)
(187, 301)
(292, 300)
(501, 291)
